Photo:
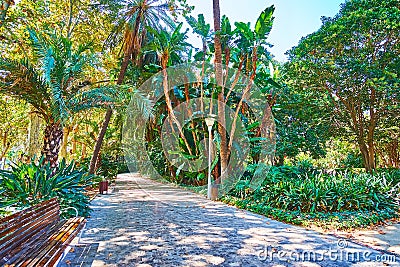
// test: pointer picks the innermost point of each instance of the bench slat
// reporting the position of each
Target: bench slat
(16, 241)
(34, 242)
(36, 254)
(36, 236)
(78, 227)
(58, 243)
(27, 222)
(5, 221)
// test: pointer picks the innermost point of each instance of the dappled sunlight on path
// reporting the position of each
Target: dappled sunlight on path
(145, 223)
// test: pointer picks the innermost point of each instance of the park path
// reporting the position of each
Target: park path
(146, 223)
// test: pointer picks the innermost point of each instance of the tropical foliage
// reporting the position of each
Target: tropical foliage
(68, 70)
(28, 184)
(55, 87)
(301, 195)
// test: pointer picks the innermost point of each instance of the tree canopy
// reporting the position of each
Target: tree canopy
(354, 61)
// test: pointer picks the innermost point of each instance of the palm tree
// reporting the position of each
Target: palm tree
(130, 29)
(54, 88)
(169, 48)
(221, 97)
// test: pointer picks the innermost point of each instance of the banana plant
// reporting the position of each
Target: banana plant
(169, 47)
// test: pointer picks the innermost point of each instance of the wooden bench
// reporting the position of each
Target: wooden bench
(36, 236)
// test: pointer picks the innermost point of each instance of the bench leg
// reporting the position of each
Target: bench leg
(61, 258)
(80, 233)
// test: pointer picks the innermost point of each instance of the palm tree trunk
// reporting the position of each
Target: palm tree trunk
(221, 98)
(99, 141)
(124, 65)
(53, 135)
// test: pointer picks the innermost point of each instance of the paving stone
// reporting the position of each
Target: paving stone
(145, 223)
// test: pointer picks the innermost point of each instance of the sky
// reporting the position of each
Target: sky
(293, 18)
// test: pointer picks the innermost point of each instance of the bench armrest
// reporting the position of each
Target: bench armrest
(76, 210)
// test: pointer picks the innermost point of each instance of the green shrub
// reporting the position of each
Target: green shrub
(300, 194)
(109, 167)
(27, 184)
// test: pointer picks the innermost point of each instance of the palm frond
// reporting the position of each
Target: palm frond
(20, 79)
(60, 111)
(142, 104)
(105, 96)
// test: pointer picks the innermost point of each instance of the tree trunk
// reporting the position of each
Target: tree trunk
(99, 142)
(33, 142)
(83, 154)
(6, 145)
(124, 65)
(53, 135)
(221, 98)
(368, 154)
(63, 151)
(393, 152)
(170, 109)
(74, 141)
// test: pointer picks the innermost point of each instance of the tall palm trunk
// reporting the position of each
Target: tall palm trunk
(164, 61)
(132, 46)
(221, 98)
(53, 135)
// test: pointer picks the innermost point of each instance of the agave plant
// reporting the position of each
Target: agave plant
(27, 184)
(54, 86)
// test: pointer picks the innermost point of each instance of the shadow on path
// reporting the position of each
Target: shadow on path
(144, 223)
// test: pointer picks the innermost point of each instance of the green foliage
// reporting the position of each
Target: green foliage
(352, 61)
(131, 17)
(199, 26)
(27, 184)
(334, 220)
(157, 156)
(13, 125)
(56, 87)
(264, 22)
(299, 194)
(169, 46)
(329, 193)
(109, 166)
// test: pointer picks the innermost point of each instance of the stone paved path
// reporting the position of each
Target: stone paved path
(144, 223)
